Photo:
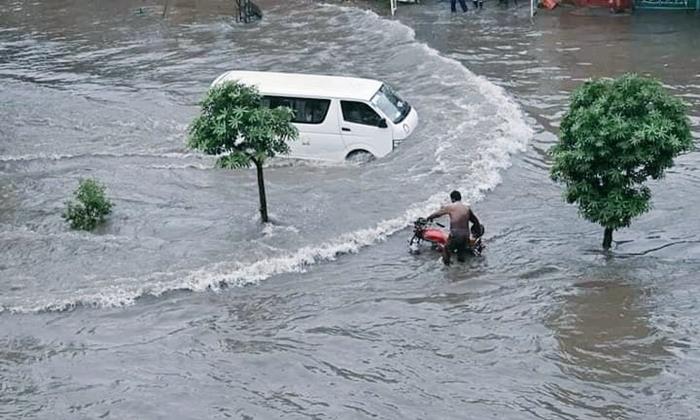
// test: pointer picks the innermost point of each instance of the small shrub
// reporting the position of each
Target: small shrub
(89, 206)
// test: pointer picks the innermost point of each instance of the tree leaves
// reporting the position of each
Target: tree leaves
(234, 123)
(617, 134)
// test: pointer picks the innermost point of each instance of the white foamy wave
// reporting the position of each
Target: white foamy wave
(200, 166)
(270, 230)
(284, 162)
(510, 132)
(397, 26)
(30, 157)
(60, 156)
(513, 135)
(12, 233)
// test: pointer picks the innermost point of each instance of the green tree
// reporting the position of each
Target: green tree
(89, 206)
(617, 134)
(237, 127)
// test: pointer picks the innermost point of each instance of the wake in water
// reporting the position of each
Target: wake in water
(469, 130)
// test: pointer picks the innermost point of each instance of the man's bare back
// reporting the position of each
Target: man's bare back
(459, 214)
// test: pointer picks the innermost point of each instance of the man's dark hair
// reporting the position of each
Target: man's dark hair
(455, 195)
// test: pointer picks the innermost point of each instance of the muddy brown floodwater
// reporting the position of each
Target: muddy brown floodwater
(183, 306)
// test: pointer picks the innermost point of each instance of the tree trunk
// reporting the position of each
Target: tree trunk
(607, 239)
(261, 191)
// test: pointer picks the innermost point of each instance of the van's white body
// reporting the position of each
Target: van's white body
(339, 133)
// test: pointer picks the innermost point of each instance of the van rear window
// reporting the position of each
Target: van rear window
(306, 110)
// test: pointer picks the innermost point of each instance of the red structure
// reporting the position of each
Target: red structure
(614, 5)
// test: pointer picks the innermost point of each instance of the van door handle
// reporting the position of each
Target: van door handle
(305, 142)
(345, 129)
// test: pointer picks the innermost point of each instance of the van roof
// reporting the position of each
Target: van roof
(294, 84)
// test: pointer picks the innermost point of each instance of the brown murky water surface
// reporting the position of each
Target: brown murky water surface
(182, 306)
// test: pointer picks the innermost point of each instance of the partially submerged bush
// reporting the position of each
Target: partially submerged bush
(89, 206)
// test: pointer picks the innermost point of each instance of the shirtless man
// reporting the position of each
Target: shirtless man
(460, 216)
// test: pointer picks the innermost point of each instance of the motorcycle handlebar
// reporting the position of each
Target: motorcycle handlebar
(424, 221)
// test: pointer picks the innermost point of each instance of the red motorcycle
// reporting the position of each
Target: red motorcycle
(436, 234)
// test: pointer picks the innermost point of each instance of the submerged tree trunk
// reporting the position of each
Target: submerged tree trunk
(607, 239)
(261, 192)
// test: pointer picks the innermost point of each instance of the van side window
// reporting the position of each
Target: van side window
(306, 110)
(360, 113)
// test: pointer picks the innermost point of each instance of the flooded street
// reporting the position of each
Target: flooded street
(183, 306)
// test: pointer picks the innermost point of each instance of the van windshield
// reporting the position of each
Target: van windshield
(391, 104)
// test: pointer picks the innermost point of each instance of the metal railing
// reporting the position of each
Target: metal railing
(668, 4)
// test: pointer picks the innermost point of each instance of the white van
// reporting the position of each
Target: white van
(337, 117)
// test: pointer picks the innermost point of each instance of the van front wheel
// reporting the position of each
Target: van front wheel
(359, 157)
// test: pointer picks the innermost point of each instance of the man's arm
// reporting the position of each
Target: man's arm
(443, 211)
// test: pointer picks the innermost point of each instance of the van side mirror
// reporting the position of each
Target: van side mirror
(382, 123)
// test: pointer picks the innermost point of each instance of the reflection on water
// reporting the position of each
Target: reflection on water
(17, 385)
(604, 334)
(9, 202)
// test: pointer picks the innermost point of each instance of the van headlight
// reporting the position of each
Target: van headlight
(406, 128)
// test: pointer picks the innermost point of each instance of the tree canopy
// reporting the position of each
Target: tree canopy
(617, 134)
(236, 126)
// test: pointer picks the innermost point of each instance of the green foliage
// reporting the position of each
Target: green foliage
(236, 126)
(89, 206)
(617, 134)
